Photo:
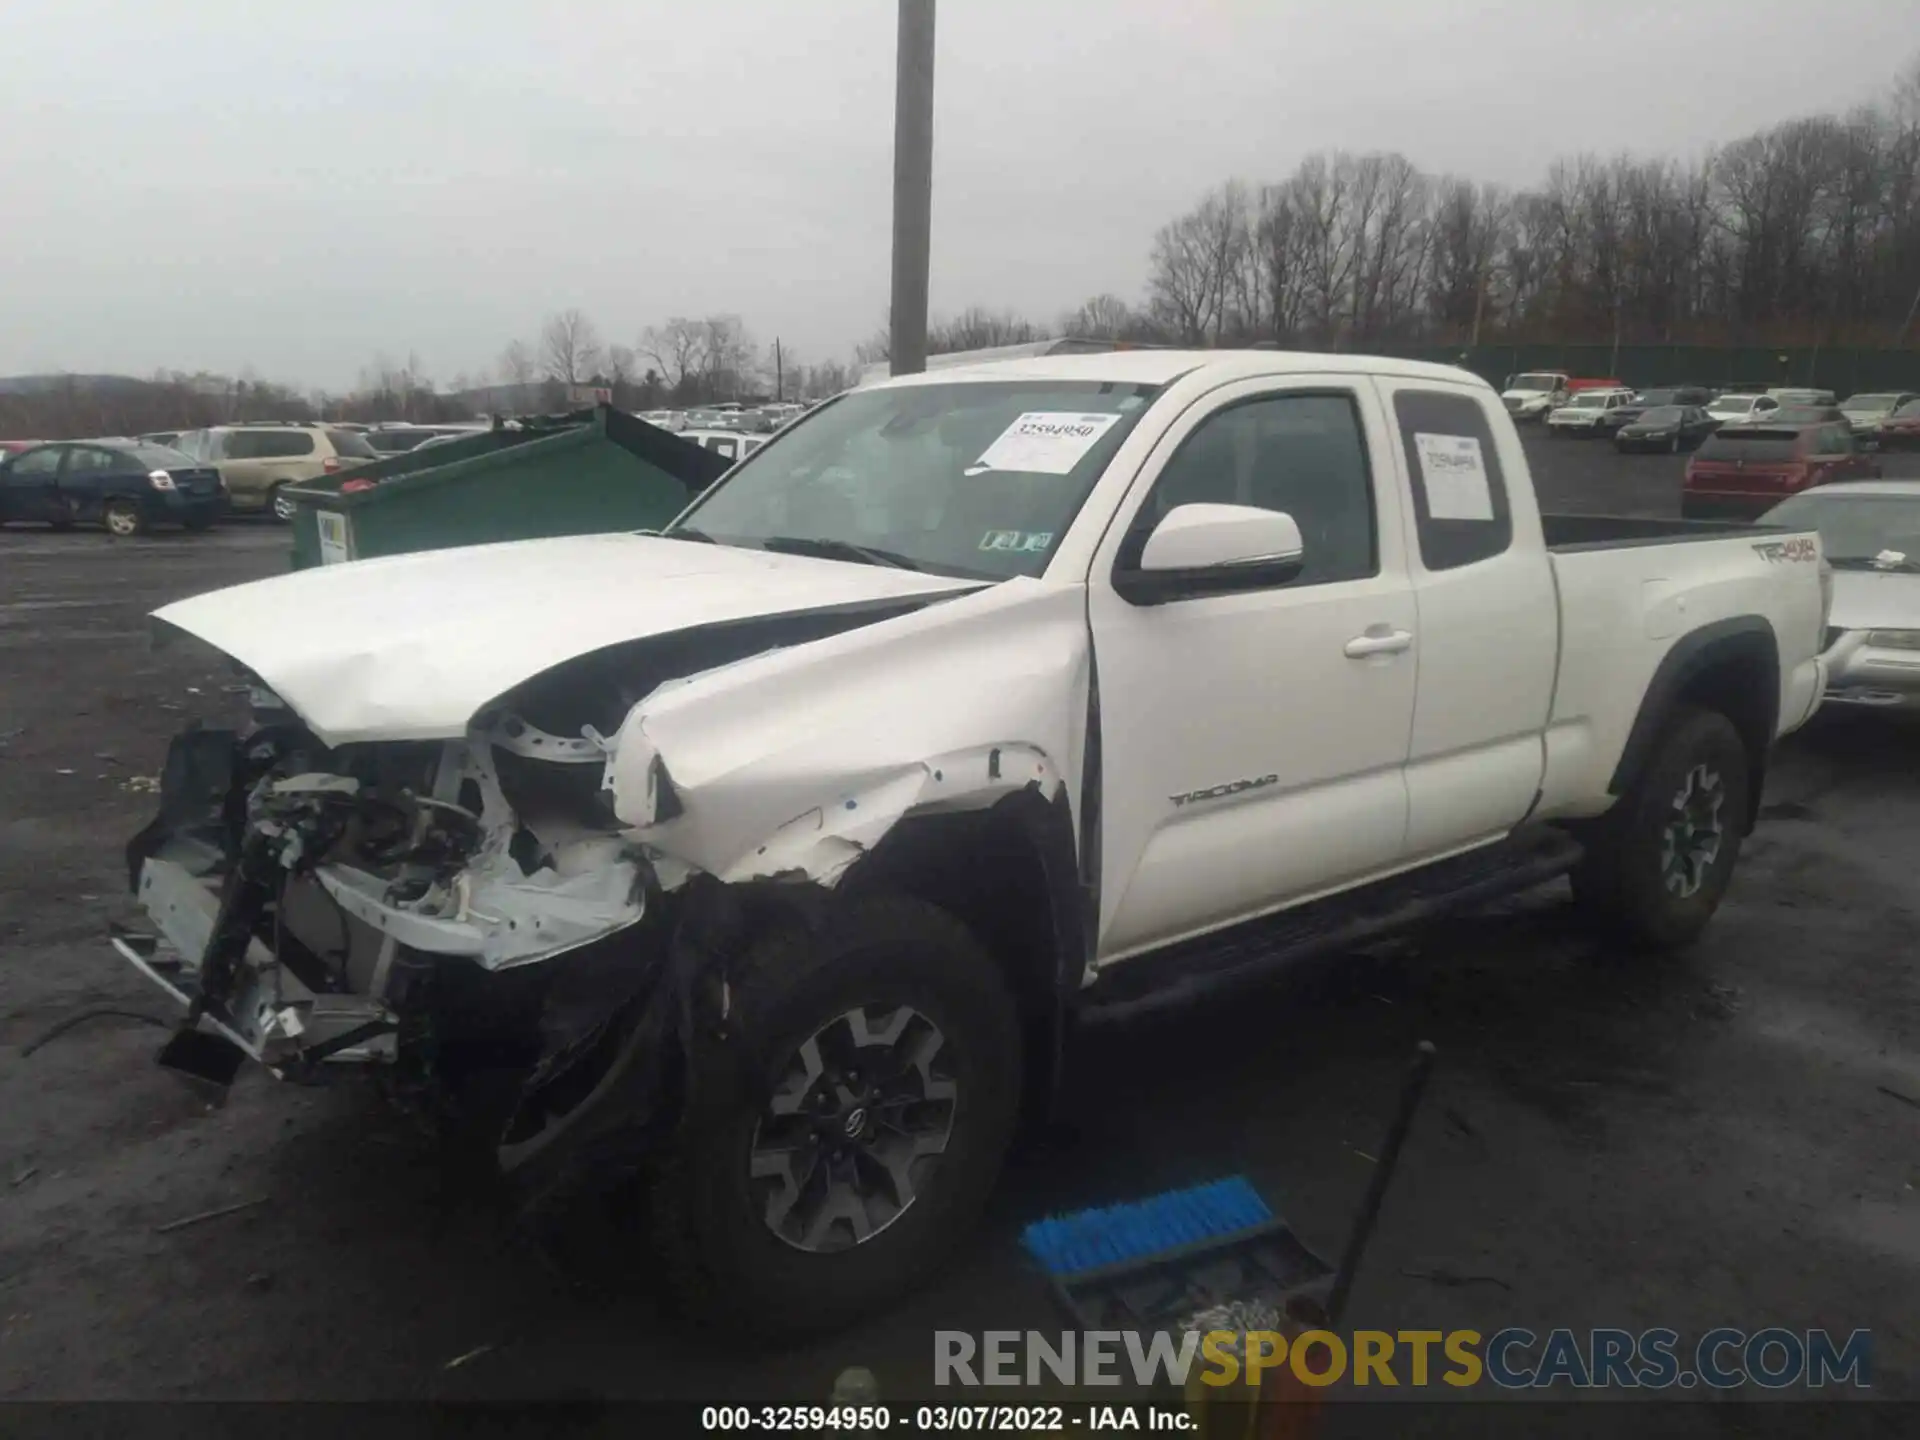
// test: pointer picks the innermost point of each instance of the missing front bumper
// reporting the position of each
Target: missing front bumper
(265, 1011)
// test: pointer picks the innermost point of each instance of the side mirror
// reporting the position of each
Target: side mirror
(1212, 550)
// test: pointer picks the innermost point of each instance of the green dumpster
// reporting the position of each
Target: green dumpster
(588, 473)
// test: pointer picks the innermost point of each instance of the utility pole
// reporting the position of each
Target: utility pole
(779, 373)
(912, 187)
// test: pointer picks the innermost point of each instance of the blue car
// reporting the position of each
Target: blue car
(128, 486)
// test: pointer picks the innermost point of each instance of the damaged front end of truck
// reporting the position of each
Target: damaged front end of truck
(552, 895)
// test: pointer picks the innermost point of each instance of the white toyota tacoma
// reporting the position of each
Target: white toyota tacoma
(770, 861)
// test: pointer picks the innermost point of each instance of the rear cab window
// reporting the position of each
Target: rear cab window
(1770, 446)
(1461, 511)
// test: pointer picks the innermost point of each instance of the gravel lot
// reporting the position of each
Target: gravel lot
(1709, 1142)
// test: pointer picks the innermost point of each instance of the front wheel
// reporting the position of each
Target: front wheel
(837, 1148)
(1658, 863)
(280, 504)
(123, 518)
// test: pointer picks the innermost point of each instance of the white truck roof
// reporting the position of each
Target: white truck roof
(1157, 367)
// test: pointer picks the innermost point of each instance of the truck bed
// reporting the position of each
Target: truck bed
(1568, 533)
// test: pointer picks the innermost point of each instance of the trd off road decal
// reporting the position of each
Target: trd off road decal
(1780, 552)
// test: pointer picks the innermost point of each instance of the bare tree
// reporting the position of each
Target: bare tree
(516, 364)
(1102, 317)
(1193, 265)
(570, 349)
(677, 348)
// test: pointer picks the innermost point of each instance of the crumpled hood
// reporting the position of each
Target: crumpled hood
(1875, 600)
(410, 647)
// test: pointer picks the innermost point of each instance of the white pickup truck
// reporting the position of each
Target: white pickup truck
(772, 858)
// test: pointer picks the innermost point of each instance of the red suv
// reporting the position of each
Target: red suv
(1742, 471)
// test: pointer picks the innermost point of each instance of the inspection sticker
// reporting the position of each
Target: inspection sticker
(1044, 442)
(1025, 541)
(1455, 475)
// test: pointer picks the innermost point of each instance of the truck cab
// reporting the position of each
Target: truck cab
(988, 704)
(1536, 393)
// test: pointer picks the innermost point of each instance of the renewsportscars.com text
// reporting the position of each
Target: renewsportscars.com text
(1511, 1359)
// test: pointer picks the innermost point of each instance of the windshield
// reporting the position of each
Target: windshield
(351, 445)
(1853, 527)
(1657, 397)
(1663, 415)
(1909, 411)
(961, 479)
(1731, 405)
(1867, 404)
(1535, 382)
(1591, 400)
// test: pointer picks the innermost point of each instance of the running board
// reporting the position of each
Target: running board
(1253, 950)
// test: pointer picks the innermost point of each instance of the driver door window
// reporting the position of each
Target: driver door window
(1298, 454)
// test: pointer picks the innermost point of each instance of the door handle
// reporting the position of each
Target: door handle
(1380, 642)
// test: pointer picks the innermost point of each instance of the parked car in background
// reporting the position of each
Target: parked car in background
(1645, 400)
(1870, 535)
(9, 447)
(1741, 471)
(665, 419)
(733, 444)
(397, 439)
(256, 461)
(1792, 413)
(1672, 428)
(1790, 395)
(1585, 413)
(1535, 394)
(168, 438)
(1741, 407)
(126, 485)
(1866, 413)
(1902, 427)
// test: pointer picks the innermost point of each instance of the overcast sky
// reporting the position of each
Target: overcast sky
(210, 184)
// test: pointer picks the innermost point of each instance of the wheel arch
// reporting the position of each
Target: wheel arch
(1010, 873)
(1732, 666)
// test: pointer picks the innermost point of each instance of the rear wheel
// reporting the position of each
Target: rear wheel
(838, 1148)
(1660, 861)
(123, 518)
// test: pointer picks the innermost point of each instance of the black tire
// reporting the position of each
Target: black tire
(724, 1262)
(1626, 885)
(123, 518)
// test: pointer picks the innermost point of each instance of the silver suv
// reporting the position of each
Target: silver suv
(257, 460)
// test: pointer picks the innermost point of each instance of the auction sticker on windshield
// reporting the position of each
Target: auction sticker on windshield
(1044, 442)
(1454, 474)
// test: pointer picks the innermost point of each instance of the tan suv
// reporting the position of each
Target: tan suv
(255, 461)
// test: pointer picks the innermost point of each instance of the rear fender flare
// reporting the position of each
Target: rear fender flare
(1738, 642)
